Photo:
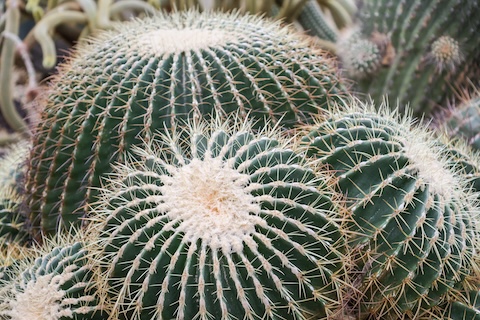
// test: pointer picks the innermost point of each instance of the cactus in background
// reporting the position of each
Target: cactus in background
(236, 225)
(12, 174)
(429, 50)
(56, 285)
(360, 57)
(463, 121)
(412, 220)
(146, 75)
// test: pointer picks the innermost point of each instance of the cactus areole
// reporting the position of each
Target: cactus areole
(145, 76)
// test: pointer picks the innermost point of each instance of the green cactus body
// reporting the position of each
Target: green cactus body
(463, 160)
(313, 20)
(427, 46)
(55, 286)
(411, 224)
(462, 305)
(12, 174)
(148, 74)
(235, 226)
(469, 309)
(464, 122)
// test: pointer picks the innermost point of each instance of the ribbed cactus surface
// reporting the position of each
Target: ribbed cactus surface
(426, 47)
(412, 224)
(462, 159)
(55, 286)
(146, 75)
(12, 175)
(235, 226)
(463, 121)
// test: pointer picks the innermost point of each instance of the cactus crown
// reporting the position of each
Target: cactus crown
(231, 223)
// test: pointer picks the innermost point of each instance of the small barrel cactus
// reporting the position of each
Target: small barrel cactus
(12, 174)
(56, 285)
(235, 225)
(144, 76)
(412, 221)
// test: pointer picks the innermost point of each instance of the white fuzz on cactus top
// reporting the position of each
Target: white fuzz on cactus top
(177, 41)
(41, 298)
(211, 202)
(52, 282)
(427, 161)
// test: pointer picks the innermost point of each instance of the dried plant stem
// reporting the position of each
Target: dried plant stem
(7, 107)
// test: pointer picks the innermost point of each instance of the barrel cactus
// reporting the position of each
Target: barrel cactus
(412, 220)
(236, 225)
(53, 284)
(144, 76)
(12, 174)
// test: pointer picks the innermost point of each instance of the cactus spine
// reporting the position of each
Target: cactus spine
(234, 226)
(413, 224)
(148, 74)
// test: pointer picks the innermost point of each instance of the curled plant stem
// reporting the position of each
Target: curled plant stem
(43, 28)
(89, 8)
(120, 6)
(103, 15)
(22, 49)
(7, 106)
(9, 138)
(30, 40)
(290, 9)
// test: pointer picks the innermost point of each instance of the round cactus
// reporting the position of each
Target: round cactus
(412, 221)
(360, 57)
(235, 225)
(144, 76)
(12, 174)
(56, 285)
(445, 53)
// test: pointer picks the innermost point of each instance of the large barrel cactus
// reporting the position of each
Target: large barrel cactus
(412, 220)
(143, 76)
(56, 285)
(235, 225)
